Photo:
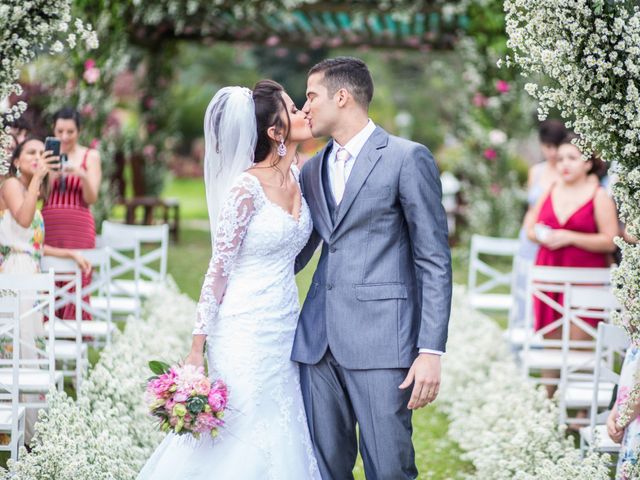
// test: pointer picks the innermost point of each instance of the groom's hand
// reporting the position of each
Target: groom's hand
(425, 376)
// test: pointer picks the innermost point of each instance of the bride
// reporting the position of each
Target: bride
(248, 307)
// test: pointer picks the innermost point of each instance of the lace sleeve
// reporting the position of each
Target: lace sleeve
(235, 216)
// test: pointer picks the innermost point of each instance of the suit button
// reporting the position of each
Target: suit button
(332, 249)
(329, 287)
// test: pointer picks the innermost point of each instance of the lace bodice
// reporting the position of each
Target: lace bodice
(254, 237)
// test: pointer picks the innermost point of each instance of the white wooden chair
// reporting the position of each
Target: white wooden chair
(149, 277)
(125, 262)
(482, 295)
(36, 375)
(539, 353)
(101, 327)
(576, 393)
(610, 339)
(517, 330)
(12, 414)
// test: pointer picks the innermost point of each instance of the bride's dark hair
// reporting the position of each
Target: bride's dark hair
(269, 105)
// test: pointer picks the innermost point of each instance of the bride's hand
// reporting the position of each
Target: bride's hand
(195, 358)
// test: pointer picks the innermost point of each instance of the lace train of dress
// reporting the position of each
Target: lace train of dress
(249, 340)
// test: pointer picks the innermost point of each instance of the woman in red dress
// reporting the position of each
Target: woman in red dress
(574, 223)
(67, 215)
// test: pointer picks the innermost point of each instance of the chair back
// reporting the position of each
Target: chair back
(484, 279)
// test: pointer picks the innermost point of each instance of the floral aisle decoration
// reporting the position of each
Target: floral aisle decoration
(107, 432)
(27, 28)
(590, 53)
(507, 427)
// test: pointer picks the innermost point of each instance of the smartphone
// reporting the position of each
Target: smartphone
(52, 144)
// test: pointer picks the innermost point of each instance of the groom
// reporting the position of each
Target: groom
(374, 323)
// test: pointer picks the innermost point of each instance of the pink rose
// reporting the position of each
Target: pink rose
(272, 41)
(160, 386)
(205, 422)
(91, 75)
(490, 154)
(479, 100)
(202, 387)
(181, 396)
(89, 64)
(502, 86)
(218, 396)
(149, 151)
(87, 110)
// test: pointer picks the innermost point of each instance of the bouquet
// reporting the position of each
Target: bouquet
(184, 399)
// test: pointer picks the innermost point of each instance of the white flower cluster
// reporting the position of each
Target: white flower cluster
(506, 426)
(107, 433)
(590, 53)
(26, 28)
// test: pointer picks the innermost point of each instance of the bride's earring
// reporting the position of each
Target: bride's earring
(282, 149)
(18, 173)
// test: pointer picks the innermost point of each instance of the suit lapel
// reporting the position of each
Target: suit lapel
(319, 187)
(367, 159)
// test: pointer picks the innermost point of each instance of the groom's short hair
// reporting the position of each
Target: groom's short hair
(349, 73)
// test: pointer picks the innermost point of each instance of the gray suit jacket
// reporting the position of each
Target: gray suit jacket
(382, 288)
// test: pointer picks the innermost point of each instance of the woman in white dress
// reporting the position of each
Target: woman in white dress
(248, 307)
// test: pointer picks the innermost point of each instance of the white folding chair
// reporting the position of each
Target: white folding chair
(610, 339)
(576, 387)
(149, 278)
(482, 295)
(36, 375)
(517, 330)
(12, 414)
(540, 353)
(101, 327)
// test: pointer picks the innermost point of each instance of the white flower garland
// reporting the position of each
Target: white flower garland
(507, 427)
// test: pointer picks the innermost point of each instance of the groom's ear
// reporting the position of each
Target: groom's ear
(342, 96)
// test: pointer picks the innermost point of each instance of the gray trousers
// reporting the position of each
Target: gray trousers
(336, 399)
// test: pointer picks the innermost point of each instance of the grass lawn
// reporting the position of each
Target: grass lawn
(438, 457)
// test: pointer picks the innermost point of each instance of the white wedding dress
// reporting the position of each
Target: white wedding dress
(249, 310)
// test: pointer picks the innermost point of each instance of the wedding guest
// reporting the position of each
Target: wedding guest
(541, 176)
(627, 434)
(22, 238)
(67, 214)
(574, 222)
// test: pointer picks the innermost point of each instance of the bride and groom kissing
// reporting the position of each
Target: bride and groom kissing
(365, 348)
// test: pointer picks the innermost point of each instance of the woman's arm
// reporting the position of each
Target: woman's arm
(92, 178)
(235, 215)
(74, 255)
(607, 222)
(22, 204)
(531, 217)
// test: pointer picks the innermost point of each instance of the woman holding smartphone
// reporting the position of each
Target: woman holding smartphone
(22, 237)
(67, 214)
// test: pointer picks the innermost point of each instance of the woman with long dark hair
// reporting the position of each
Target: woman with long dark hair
(248, 308)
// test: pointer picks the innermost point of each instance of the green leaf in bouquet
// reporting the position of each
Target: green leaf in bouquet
(159, 367)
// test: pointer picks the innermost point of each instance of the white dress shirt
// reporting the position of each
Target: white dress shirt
(354, 147)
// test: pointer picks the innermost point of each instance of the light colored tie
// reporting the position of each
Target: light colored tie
(340, 180)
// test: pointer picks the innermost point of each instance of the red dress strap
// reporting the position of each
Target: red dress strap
(84, 159)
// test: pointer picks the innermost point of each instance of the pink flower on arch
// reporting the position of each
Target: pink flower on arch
(89, 64)
(91, 75)
(495, 189)
(502, 86)
(490, 154)
(479, 100)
